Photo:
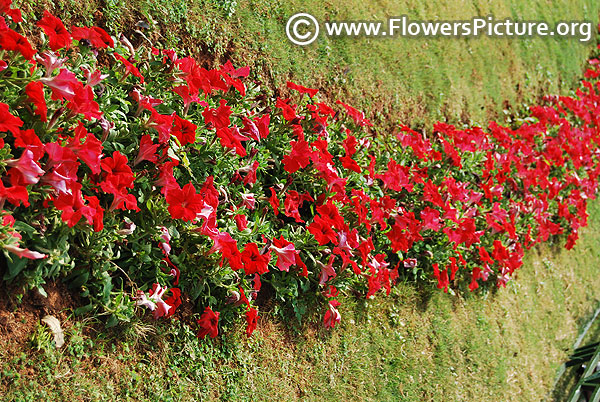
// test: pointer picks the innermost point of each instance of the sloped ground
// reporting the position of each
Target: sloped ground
(413, 346)
(417, 81)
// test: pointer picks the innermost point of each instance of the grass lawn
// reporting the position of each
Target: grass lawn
(416, 81)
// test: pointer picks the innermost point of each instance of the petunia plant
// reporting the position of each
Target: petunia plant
(145, 180)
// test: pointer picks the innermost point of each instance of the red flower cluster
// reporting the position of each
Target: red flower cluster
(461, 204)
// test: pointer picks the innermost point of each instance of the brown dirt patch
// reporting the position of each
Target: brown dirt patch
(19, 319)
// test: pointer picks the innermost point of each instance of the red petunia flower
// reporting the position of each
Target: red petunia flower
(299, 156)
(97, 37)
(147, 150)
(63, 176)
(35, 94)
(184, 130)
(89, 149)
(83, 102)
(251, 175)
(292, 202)
(350, 164)
(227, 246)
(288, 111)
(442, 277)
(218, 117)
(232, 139)
(166, 180)
(431, 193)
(122, 199)
(302, 266)
(11, 40)
(263, 125)
(286, 253)
(241, 222)
(57, 33)
(254, 261)
(8, 122)
(396, 177)
(173, 301)
(464, 232)
(26, 167)
(209, 192)
(117, 170)
(274, 201)
(57, 154)
(144, 101)
(303, 90)
(431, 219)
(251, 320)
(330, 213)
(64, 85)
(327, 271)
(184, 203)
(13, 13)
(15, 194)
(350, 144)
(70, 204)
(50, 61)
(322, 231)
(94, 213)
(188, 98)
(248, 201)
(357, 115)
(250, 129)
(231, 76)
(209, 324)
(129, 67)
(23, 252)
(374, 285)
(332, 315)
(476, 274)
(163, 124)
(156, 304)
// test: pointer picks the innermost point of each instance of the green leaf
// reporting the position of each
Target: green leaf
(83, 309)
(23, 227)
(107, 287)
(80, 278)
(112, 321)
(42, 291)
(15, 266)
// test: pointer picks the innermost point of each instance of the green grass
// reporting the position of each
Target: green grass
(416, 81)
